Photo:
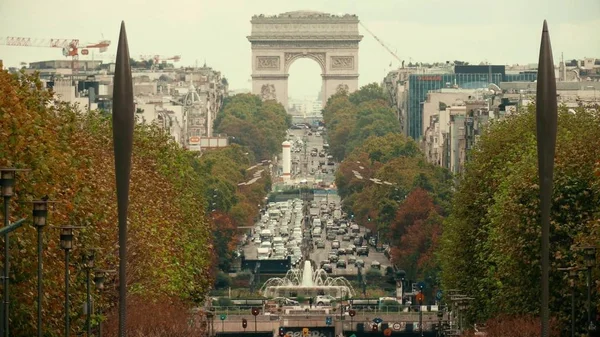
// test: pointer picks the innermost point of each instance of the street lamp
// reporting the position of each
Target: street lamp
(89, 258)
(66, 243)
(590, 261)
(40, 215)
(572, 276)
(7, 182)
(99, 278)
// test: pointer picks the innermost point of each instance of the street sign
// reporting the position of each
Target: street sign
(223, 317)
(397, 326)
(420, 297)
(438, 295)
(387, 332)
(377, 320)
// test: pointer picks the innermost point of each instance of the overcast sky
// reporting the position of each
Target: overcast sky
(500, 32)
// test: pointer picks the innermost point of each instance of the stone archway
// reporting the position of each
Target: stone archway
(277, 41)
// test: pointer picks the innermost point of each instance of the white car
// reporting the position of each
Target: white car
(324, 300)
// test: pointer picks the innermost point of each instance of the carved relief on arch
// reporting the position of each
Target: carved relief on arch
(291, 57)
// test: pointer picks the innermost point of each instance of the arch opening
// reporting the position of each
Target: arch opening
(305, 87)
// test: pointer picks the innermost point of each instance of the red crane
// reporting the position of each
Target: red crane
(70, 47)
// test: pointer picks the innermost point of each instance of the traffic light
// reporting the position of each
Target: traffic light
(375, 327)
(328, 320)
(255, 311)
(281, 331)
(369, 219)
(244, 323)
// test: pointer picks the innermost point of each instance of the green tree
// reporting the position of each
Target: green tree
(259, 126)
(490, 245)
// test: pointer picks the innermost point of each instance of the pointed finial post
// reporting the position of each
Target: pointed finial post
(546, 122)
(123, 122)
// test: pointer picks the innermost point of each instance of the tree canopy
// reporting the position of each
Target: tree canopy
(70, 158)
(490, 247)
(364, 132)
(259, 126)
(183, 214)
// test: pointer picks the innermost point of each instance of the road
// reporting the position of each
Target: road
(302, 168)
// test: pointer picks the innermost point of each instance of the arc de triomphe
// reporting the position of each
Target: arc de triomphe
(277, 41)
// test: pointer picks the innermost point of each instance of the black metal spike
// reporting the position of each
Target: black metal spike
(123, 119)
(546, 121)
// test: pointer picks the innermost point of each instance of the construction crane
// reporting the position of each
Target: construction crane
(70, 47)
(383, 44)
(156, 59)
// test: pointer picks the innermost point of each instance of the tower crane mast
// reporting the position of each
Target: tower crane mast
(382, 44)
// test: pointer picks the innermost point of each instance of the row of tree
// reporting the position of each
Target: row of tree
(257, 125)
(490, 247)
(184, 211)
(407, 205)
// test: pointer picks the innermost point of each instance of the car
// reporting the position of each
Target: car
(327, 268)
(359, 263)
(324, 300)
(341, 251)
(335, 244)
(346, 237)
(285, 301)
(320, 244)
(351, 259)
(358, 241)
(362, 251)
(375, 265)
(333, 258)
(331, 236)
(341, 264)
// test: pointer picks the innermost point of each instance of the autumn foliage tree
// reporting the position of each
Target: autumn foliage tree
(70, 158)
(490, 245)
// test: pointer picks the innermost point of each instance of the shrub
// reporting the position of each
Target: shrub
(165, 317)
(222, 280)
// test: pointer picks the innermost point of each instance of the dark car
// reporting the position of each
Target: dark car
(333, 258)
(358, 241)
(351, 259)
(320, 244)
(341, 251)
(359, 263)
(362, 251)
(327, 268)
(341, 264)
(331, 236)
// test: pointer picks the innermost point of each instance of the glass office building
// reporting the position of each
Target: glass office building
(465, 77)
(420, 85)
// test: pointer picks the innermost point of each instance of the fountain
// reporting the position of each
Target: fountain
(307, 283)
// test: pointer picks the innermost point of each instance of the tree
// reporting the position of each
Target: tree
(70, 158)
(490, 245)
(369, 92)
(259, 126)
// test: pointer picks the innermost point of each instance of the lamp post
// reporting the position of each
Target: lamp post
(89, 263)
(66, 243)
(40, 214)
(7, 182)
(99, 278)
(590, 261)
(572, 276)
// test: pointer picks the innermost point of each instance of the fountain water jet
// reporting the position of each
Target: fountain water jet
(307, 283)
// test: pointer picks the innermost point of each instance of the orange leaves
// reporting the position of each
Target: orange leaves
(70, 157)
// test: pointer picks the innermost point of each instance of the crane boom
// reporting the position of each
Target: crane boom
(70, 47)
(381, 43)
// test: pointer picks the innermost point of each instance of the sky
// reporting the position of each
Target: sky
(215, 31)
